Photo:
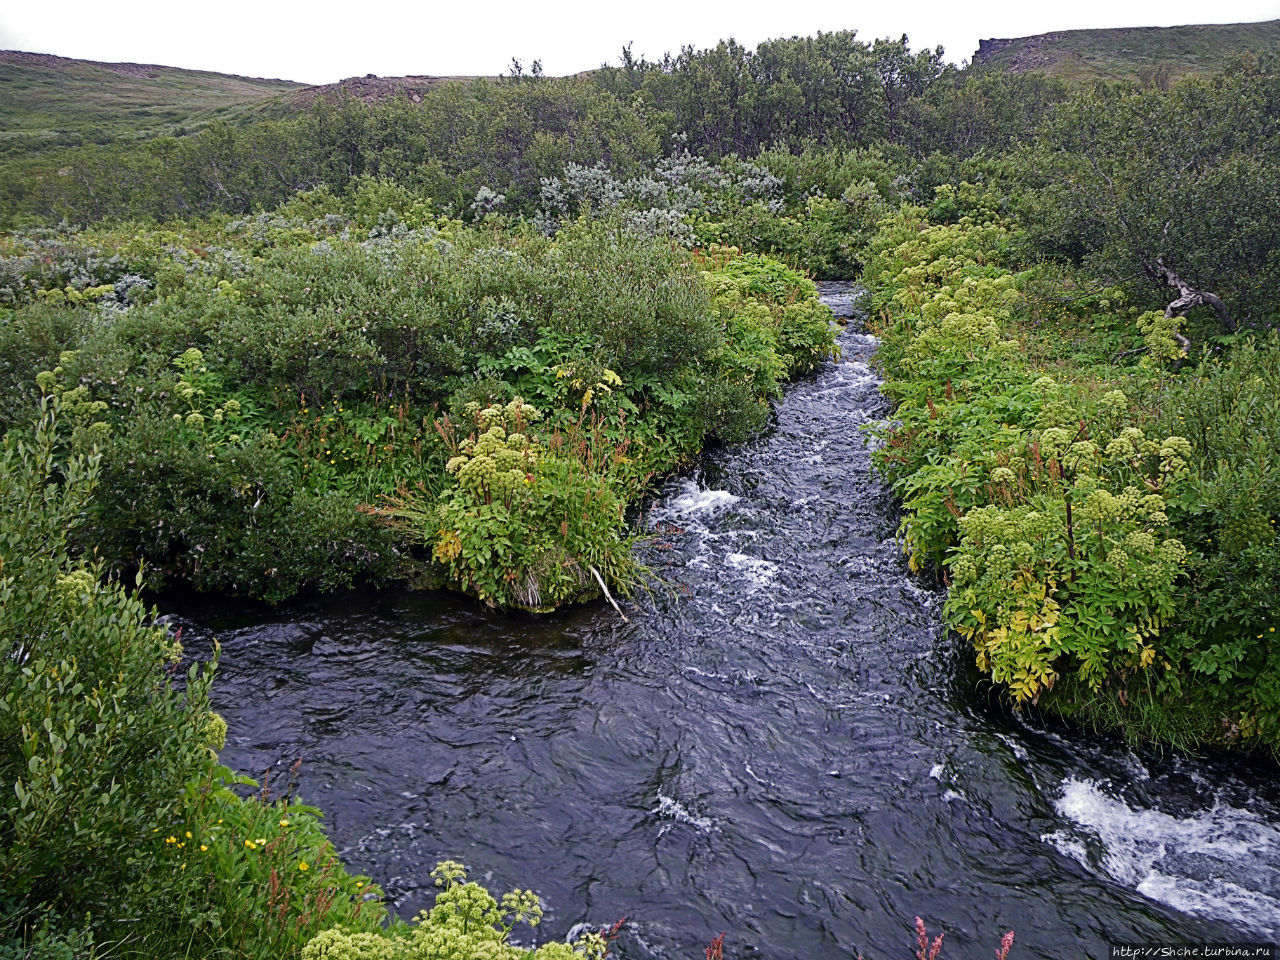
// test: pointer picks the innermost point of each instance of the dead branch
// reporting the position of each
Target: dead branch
(607, 595)
(1189, 296)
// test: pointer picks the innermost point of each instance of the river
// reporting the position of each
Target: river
(783, 743)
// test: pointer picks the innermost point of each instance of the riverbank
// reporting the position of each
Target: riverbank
(328, 396)
(1066, 472)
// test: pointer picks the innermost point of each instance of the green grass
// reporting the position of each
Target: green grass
(1131, 53)
(48, 102)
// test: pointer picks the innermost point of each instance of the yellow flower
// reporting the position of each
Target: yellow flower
(302, 865)
(261, 840)
(203, 848)
(171, 839)
(251, 845)
(359, 884)
(188, 834)
(284, 822)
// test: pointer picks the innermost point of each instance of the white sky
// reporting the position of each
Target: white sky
(323, 41)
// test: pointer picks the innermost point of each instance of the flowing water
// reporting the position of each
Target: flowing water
(784, 744)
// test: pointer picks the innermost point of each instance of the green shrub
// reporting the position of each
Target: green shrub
(803, 323)
(1042, 589)
(1227, 513)
(825, 236)
(249, 876)
(1108, 534)
(775, 328)
(32, 339)
(45, 938)
(1042, 499)
(231, 516)
(284, 373)
(97, 740)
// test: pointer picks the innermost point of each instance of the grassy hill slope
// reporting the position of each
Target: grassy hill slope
(1133, 53)
(48, 101)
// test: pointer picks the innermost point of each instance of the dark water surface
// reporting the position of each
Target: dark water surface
(785, 746)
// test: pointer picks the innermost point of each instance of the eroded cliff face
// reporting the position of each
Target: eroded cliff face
(989, 48)
(1024, 56)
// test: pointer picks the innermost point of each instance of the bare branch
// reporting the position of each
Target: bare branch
(607, 595)
(1189, 296)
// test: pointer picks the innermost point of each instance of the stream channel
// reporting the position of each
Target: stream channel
(784, 745)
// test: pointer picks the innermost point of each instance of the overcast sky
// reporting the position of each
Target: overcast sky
(324, 41)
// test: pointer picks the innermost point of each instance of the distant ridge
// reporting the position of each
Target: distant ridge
(1129, 53)
(150, 71)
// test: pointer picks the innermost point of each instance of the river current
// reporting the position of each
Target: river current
(782, 743)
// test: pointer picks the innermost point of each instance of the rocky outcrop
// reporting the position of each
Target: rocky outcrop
(371, 88)
(1024, 52)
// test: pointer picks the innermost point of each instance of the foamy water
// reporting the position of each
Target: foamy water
(1221, 862)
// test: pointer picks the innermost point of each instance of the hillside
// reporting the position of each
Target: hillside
(48, 101)
(1132, 53)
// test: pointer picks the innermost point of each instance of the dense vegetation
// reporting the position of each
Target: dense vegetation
(120, 827)
(1094, 477)
(451, 343)
(465, 142)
